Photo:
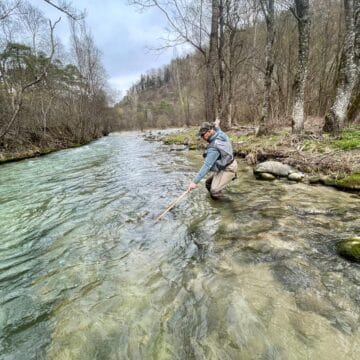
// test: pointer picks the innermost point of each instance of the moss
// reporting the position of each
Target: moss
(349, 182)
(350, 248)
(179, 138)
(238, 138)
(349, 139)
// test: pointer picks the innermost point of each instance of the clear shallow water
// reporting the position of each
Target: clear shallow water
(86, 273)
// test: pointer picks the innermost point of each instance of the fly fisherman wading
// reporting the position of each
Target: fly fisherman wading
(219, 159)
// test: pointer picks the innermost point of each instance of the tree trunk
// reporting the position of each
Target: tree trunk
(302, 15)
(221, 65)
(268, 9)
(212, 66)
(354, 108)
(230, 78)
(336, 116)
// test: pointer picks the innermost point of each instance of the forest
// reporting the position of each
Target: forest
(265, 63)
(51, 97)
(262, 62)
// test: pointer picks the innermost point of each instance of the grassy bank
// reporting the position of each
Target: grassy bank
(336, 159)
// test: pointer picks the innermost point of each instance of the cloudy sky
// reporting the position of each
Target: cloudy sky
(123, 34)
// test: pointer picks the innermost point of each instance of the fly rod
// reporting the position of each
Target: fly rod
(171, 205)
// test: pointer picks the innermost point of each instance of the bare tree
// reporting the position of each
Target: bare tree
(301, 11)
(88, 61)
(33, 20)
(212, 65)
(193, 23)
(336, 116)
(236, 15)
(354, 108)
(267, 7)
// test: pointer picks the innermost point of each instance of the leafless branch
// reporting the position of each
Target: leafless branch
(178, 23)
(6, 12)
(67, 10)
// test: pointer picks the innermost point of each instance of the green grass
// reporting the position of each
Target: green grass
(238, 138)
(317, 146)
(181, 137)
(352, 181)
(349, 139)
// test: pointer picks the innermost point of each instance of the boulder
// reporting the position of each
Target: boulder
(273, 167)
(349, 248)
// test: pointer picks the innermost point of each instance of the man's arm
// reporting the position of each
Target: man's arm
(210, 160)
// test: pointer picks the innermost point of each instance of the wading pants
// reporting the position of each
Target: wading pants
(217, 182)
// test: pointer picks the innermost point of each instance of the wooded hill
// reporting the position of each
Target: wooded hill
(276, 63)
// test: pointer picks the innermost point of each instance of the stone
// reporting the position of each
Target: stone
(266, 176)
(349, 248)
(314, 179)
(273, 167)
(296, 176)
(176, 147)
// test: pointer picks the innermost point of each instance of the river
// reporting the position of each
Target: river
(86, 272)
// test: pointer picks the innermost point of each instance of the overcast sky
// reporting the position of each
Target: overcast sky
(123, 34)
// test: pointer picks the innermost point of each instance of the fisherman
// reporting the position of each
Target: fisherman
(219, 158)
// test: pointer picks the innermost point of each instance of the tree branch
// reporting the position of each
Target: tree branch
(67, 10)
(7, 12)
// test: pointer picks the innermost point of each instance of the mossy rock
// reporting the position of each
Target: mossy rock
(351, 182)
(349, 248)
(193, 147)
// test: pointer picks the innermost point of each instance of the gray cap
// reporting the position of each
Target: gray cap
(204, 128)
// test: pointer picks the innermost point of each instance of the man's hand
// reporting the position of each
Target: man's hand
(217, 122)
(192, 186)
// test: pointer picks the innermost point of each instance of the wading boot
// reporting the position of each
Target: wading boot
(217, 195)
(208, 183)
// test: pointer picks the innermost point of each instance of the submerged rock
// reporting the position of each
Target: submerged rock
(349, 248)
(293, 276)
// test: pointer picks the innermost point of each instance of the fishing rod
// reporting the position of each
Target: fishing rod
(171, 205)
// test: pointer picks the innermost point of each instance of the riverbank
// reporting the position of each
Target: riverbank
(322, 158)
(26, 151)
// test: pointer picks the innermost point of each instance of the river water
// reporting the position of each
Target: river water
(86, 272)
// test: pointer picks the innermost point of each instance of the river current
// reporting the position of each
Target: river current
(87, 273)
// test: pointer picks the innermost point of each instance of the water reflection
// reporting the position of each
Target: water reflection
(86, 273)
